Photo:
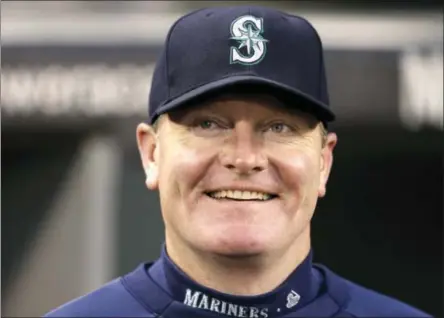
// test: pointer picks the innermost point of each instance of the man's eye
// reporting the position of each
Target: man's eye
(207, 124)
(279, 128)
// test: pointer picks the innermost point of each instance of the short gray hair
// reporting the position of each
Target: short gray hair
(324, 134)
(156, 124)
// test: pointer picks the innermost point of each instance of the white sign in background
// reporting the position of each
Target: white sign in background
(421, 88)
(90, 90)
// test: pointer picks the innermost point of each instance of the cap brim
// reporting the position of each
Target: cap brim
(288, 94)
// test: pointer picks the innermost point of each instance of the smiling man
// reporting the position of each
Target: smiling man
(237, 145)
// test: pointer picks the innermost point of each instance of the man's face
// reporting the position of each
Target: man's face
(237, 176)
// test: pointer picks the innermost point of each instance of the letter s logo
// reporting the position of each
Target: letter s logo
(247, 31)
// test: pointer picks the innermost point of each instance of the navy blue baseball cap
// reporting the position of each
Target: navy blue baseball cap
(242, 48)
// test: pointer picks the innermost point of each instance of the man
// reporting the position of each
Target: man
(237, 145)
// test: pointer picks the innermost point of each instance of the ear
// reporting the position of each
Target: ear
(147, 143)
(326, 162)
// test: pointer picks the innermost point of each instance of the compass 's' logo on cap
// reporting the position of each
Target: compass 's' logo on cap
(247, 30)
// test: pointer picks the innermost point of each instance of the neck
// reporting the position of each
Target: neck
(241, 276)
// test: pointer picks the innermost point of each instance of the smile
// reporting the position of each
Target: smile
(241, 195)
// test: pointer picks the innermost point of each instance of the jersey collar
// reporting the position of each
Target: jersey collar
(295, 292)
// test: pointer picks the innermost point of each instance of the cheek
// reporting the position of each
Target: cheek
(299, 174)
(181, 169)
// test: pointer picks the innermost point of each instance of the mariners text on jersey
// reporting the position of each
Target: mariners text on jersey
(200, 300)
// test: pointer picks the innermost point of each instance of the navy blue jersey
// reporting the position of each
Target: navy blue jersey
(161, 289)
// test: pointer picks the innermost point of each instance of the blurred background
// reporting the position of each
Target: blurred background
(75, 80)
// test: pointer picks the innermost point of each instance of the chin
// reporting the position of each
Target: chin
(237, 242)
(236, 230)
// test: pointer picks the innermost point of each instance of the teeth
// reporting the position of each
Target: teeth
(240, 195)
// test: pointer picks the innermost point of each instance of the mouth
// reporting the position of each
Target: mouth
(237, 195)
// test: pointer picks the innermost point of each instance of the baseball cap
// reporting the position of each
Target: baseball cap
(252, 48)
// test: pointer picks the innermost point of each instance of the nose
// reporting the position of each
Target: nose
(243, 153)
